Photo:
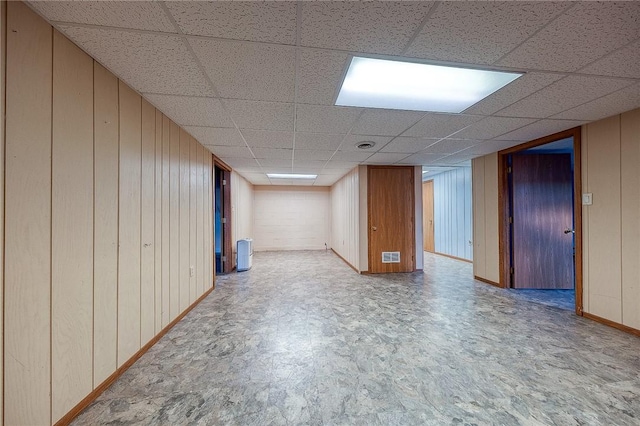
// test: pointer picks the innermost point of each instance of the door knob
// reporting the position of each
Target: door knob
(374, 228)
(569, 231)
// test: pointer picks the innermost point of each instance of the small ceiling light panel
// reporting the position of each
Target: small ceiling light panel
(382, 83)
(290, 176)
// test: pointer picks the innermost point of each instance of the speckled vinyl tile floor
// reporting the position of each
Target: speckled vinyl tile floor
(302, 339)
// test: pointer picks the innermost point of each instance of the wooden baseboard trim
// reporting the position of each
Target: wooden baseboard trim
(486, 281)
(75, 411)
(452, 257)
(345, 261)
(613, 324)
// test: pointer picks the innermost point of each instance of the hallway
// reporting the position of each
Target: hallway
(302, 339)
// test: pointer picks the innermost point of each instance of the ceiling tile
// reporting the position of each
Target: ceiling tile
(408, 145)
(491, 127)
(303, 154)
(489, 147)
(266, 139)
(325, 119)
(192, 111)
(261, 115)
(216, 136)
(246, 70)
(480, 32)
(256, 178)
(148, 62)
(440, 125)
(456, 158)
(319, 75)
(351, 143)
(337, 164)
(529, 83)
(230, 151)
(273, 163)
(568, 43)
(279, 154)
(383, 122)
(323, 141)
(241, 163)
(273, 22)
(623, 63)
(141, 15)
(606, 106)
(450, 146)
(308, 166)
(421, 158)
(539, 129)
(250, 169)
(562, 95)
(326, 180)
(385, 158)
(352, 155)
(376, 27)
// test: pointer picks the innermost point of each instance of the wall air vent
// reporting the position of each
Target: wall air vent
(390, 257)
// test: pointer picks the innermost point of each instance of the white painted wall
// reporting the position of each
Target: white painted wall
(291, 218)
(345, 216)
(452, 213)
(241, 210)
(486, 260)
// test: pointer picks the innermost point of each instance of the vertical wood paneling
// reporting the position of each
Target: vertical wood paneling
(184, 220)
(630, 180)
(479, 259)
(209, 228)
(129, 229)
(158, 224)
(72, 227)
(3, 29)
(166, 224)
(193, 203)
(106, 157)
(604, 219)
(27, 327)
(174, 221)
(491, 217)
(200, 267)
(147, 251)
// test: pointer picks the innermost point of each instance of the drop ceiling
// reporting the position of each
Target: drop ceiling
(255, 82)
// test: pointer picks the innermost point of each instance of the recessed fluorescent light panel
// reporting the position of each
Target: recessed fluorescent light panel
(381, 83)
(290, 176)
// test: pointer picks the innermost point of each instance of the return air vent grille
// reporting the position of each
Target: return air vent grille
(390, 257)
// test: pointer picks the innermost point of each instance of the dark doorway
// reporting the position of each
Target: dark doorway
(222, 219)
(542, 220)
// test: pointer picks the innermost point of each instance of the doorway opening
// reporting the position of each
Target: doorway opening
(541, 218)
(222, 218)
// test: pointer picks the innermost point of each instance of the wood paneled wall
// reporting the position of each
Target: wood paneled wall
(486, 262)
(241, 210)
(345, 216)
(611, 228)
(107, 211)
(452, 213)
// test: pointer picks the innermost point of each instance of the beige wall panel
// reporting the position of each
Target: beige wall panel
(479, 259)
(344, 217)
(129, 219)
(491, 217)
(174, 221)
(210, 269)
(630, 181)
(603, 163)
(72, 227)
(27, 374)
(418, 229)
(363, 209)
(158, 224)
(105, 261)
(200, 267)
(148, 206)
(193, 203)
(184, 220)
(3, 28)
(166, 207)
(584, 149)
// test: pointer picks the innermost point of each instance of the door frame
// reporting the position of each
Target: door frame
(227, 244)
(413, 212)
(503, 207)
(424, 182)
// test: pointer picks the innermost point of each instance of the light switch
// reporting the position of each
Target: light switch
(192, 271)
(587, 199)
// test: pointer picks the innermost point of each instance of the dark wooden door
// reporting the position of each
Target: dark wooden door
(542, 188)
(391, 217)
(427, 216)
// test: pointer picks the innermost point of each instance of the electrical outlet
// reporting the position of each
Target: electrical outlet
(192, 271)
